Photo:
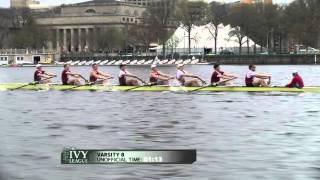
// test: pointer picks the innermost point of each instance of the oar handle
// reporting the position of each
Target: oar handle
(141, 80)
(203, 81)
(38, 82)
(86, 80)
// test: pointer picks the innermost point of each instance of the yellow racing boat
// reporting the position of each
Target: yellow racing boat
(33, 87)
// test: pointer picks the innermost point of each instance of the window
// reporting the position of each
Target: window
(90, 11)
(3, 58)
(20, 58)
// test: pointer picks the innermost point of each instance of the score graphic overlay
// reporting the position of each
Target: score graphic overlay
(82, 156)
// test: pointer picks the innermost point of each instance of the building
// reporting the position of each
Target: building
(143, 2)
(23, 3)
(257, 1)
(76, 27)
(25, 57)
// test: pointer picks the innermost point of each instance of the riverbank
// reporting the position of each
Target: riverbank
(286, 59)
(264, 59)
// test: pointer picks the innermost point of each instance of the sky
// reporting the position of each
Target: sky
(6, 3)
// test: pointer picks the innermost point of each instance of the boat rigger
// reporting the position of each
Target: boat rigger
(37, 87)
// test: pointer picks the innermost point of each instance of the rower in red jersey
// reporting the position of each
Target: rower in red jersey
(157, 77)
(41, 76)
(98, 77)
(69, 78)
(297, 81)
(220, 77)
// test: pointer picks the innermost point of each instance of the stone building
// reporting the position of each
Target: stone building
(76, 27)
(143, 2)
(23, 3)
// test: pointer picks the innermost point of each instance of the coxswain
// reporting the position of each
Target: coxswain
(41, 76)
(182, 75)
(98, 77)
(221, 78)
(297, 81)
(254, 79)
(126, 78)
(159, 78)
(69, 78)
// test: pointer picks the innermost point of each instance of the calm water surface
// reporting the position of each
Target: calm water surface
(237, 135)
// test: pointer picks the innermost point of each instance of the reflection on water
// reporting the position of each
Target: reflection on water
(237, 135)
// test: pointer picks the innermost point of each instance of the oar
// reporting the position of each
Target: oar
(269, 81)
(203, 81)
(85, 80)
(137, 87)
(213, 85)
(86, 84)
(141, 80)
(203, 87)
(75, 87)
(32, 83)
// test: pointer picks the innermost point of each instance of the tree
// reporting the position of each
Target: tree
(216, 13)
(29, 35)
(5, 24)
(259, 21)
(172, 43)
(302, 21)
(239, 19)
(239, 34)
(191, 13)
(162, 20)
(111, 40)
(271, 14)
(142, 34)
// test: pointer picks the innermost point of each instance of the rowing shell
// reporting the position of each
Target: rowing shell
(12, 86)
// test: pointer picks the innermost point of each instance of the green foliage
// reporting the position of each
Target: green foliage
(299, 22)
(112, 40)
(5, 24)
(30, 35)
(303, 19)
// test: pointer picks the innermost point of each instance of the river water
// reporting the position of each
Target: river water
(237, 135)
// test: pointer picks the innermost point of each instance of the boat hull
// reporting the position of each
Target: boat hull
(14, 86)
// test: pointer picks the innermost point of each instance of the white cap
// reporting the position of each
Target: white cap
(180, 65)
(295, 72)
(38, 65)
(153, 66)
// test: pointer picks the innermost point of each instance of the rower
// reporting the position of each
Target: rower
(67, 74)
(98, 77)
(254, 79)
(297, 81)
(157, 77)
(220, 77)
(126, 78)
(42, 77)
(182, 75)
